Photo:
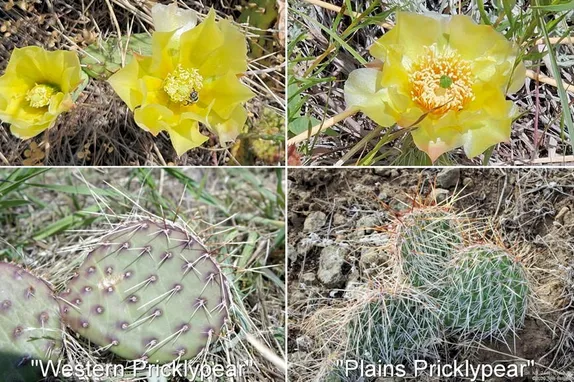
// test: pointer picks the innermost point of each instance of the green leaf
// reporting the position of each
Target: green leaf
(302, 124)
(18, 179)
(13, 203)
(556, 7)
(77, 219)
(557, 75)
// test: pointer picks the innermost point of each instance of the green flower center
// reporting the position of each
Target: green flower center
(182, 85)
(39, 95)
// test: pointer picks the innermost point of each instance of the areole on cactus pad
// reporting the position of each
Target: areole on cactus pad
(149, 290)
(29, 323)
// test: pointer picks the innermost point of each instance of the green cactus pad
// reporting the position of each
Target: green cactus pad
(396, 327)
(29, 322)
(427, 240)
(487, 293)
(149, 291)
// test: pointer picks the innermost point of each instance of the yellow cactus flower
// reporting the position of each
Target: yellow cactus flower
(189, 80)
(444, 77)
(37, 87)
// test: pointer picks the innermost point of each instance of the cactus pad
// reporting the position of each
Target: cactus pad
(29, 322)
(426, 241)
(149, 290)
(487, 293)
(396, 327)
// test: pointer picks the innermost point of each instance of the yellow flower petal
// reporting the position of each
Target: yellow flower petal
(230, 56)
(384, 106)
(125, 84)
(168, 18)
(228, 129)
(517, 79)
(438, 137)
(492, 54)
(154, 118)
(484, 123)
(36, 88)
(226, 92)
(186, 135)
(197, 45)
(411, 33)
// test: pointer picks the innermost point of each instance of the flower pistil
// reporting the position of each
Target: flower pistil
(182, 85)
(39, 95)
(441, 81)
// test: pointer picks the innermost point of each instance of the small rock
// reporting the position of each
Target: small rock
(314, 221)
(385, 172)
(383, 195)
(448, 177)
(331, 265)
(394, 174)
(371, 258)
(467, 182)
(304, 343)
(440, 195)
(366, 224)
(292, 253)
(308, 277)
(339, 219)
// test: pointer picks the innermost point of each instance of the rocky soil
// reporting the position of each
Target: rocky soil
(337, 221)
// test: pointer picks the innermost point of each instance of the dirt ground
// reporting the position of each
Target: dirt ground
(531, 211)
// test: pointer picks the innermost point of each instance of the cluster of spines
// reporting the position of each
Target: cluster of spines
(486, 295)
(396, 327)
(426, 242)
(453, 288)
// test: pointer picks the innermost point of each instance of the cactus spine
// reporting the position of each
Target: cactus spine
(426, 242)
(486, 295)
(396, 327)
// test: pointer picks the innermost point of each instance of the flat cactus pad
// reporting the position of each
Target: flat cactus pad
(29, 322)
(149, 291)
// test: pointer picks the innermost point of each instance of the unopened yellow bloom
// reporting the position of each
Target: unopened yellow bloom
(37, 87)
(191, 78)
(446, 77)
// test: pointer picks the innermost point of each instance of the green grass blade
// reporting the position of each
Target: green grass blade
(556, 74)
(18, 179)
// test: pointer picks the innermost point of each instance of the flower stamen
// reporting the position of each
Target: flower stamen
(39, 95)
(441, 81)
(181, 84)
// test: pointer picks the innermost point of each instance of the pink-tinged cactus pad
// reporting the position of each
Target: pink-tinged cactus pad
(29, 322)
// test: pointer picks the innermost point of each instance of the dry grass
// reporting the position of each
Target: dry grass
(100, 130)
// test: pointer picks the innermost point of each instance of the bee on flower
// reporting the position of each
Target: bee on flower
(191, 78)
